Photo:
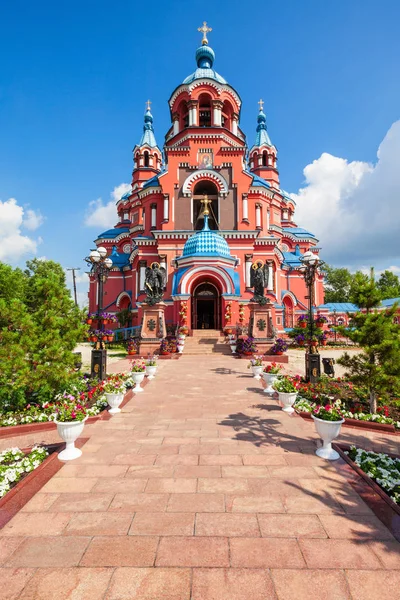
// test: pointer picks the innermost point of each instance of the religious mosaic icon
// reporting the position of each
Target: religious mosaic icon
(205, 160)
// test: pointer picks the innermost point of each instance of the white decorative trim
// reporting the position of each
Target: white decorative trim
(219, 272)
(119, 298)
(209, 174)
(291, 296)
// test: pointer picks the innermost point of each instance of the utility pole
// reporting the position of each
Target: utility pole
(74, 282)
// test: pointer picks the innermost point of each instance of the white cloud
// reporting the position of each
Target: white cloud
(13, 244)
(32, 220)
(353, 207)
(105, 215)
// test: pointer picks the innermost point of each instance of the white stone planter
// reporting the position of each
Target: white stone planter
(151, 371)
(138, 378)
(181, 338)
(180, 348)
(69, 433)
(287, 399)
(231, 336)
(269, 379)
(114, 400)
(233, 348)
(257, 372)
(327, 431)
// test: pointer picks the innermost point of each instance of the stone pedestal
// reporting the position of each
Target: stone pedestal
(261, 325)
(153, 328)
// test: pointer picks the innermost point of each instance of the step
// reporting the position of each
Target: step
(206, 333)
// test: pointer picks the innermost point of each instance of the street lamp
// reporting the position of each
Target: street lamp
(100, 265)
(311, 264)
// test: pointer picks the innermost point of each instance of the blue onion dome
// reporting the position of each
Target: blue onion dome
(206, 243)
(205, 57)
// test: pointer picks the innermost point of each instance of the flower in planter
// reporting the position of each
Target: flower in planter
(164, 346)
(285, 385)
(257, 361)
(70, 410)
(133, 345)
(384, 469)
(321, 319)
(273, 369)
(302, 318)
(138, 366)
(329, 412)
(151, 362)
(279, 346)
(246, 345)
(300, 339)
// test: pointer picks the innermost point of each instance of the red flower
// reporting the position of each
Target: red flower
(328, 407)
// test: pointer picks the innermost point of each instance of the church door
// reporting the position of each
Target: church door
(205, 307)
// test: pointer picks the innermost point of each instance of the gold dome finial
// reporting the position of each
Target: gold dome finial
(204, 30)
(261, 104)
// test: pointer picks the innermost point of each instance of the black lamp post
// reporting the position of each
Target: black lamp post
(311, 264)
(100, 265)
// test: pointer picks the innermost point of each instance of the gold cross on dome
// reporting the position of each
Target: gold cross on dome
(261, 104)
(148, 104)
(204, 30)
(205, 202)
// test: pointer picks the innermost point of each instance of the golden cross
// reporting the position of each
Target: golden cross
(204, 30)
(205, 202)
(261, 104)
(148, 105)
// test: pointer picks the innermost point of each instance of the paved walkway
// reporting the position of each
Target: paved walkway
(204, 478)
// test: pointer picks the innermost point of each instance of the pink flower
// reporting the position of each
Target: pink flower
(328, 407)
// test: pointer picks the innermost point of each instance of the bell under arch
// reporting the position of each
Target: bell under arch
(209, 189)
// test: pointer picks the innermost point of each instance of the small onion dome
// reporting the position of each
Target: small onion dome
(206, 243)
(205, 57)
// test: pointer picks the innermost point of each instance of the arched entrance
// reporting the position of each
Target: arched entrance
(288, 313)
(206, 302)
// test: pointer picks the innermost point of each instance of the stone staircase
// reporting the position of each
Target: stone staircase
(206, 341)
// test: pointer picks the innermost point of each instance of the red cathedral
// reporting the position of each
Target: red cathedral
(161, 219)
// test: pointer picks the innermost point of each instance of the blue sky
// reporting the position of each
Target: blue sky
(75, 77)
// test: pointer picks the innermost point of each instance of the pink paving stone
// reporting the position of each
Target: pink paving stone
(177, 459)
(373, 585)
(249, 471)
(265, 553)
(253, 504)
(218, 459)
(196, 503)
(307, 504)
(292, 472)
(139, 471)
(7, 546)
(63, 584)
(291, 584)
(159, 450)
(193, 552)
(355, 527)
(228, 525)
(69, 485)
(81, 502)
(98, 523)
(120, 486)
(198, 471)
(171, 486)
(40, 502)
(150, 584)
(121, 551)
(388, 553)
(13, 582)
(92, 471)
(264, 460)
(297, 526)
(139, 503)
(27, 524)
(49, 552)
(199, 449)
(163, 524)
(134, 459)
(222, 484)
(338, 554)
(232, 584)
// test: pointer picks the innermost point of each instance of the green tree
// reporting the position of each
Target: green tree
(364, 291)
(378, 366)
(38, 335)
(389, 285)
(337, 284)
(12, 282)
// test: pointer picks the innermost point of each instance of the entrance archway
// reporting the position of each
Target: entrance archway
(288, 313)
(206, 302)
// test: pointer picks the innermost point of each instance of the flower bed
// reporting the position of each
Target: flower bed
(14, 464)
(381, 468)
(305, 407)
